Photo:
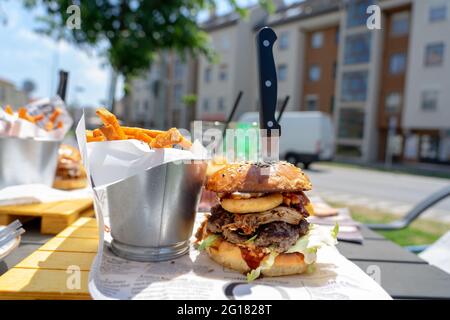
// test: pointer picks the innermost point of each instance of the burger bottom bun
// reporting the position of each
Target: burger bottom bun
(252, 205)
(69, 184)
(229, 255)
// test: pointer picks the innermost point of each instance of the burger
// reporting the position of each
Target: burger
(260, 225)
(70, 173)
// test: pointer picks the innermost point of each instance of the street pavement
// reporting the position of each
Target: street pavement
(392, 192)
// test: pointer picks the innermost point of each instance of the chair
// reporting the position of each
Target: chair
(412, 215)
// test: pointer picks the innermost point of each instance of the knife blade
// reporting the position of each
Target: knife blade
(271, 132)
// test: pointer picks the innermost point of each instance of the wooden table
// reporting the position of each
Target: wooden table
(43, 274)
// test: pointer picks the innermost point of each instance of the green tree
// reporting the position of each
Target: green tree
(132, 32)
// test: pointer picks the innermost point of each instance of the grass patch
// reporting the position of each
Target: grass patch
(420, 232)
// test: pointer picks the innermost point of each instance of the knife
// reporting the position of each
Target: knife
(265, 40)
(62, 85)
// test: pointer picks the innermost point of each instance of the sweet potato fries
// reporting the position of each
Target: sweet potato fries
(50, 124)
(112, 130)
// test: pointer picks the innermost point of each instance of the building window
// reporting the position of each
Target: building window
(223, 72)
(354, 86)
(430, 100)
(357, 48)
(311, 102)
(400, 24)
(351, 123)
(393, 102)
(221, 104)
(178, 93)
(317, 40)
(205, 105)
(284, 40)
(314, 73)
(397, 63)
(337, 35)
(434, 54)
(438, 12)
(179, 69)
(357, 12)
(225, 41)
(282, 72)
(349, 151)
(334, 71)
(207, 74)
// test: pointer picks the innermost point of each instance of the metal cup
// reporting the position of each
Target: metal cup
(152, 214)
(24, 161)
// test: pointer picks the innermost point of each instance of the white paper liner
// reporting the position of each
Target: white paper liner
(13, 126)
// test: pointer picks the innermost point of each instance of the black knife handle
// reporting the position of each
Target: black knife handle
(267, 80)
(62, 85)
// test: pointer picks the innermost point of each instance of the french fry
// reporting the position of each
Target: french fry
(9, 110)
(49, 126)
(56, 113)
(144, 137)
(23, 114)
(90, 137)
(109, 119)
(59, 125)
(133, 131)
(89, 133)
(97, 133)
(95, 139)
(109, 132)
(38, 117)
(169, 138)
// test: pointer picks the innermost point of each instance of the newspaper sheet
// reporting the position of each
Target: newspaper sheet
(195, 276)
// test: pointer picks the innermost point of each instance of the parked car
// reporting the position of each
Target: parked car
(306, 136)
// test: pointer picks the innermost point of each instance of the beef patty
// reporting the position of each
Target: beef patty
(279, 235)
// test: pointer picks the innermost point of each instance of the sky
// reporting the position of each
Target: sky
(24, 54)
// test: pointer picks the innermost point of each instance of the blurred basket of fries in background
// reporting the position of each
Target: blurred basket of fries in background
(29, 140)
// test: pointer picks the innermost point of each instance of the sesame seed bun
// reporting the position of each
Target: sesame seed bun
(265, 177)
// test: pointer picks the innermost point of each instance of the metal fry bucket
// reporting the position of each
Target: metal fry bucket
(24, 161)
(152, 214)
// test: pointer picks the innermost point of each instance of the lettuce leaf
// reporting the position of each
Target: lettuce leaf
(316, 238)
(252, 239)
(208, 241)
(267, 263)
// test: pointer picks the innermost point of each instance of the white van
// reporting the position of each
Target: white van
(306, 136)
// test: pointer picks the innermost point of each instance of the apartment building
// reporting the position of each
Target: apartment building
(219, 83)
(9, 94)
(156, 97)
(387, 90)
(305, 53)
(426, 110)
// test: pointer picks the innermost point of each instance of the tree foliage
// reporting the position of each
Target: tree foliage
(131, 32)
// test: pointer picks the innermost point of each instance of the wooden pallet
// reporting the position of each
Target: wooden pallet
(55, 216)
(44, 275)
